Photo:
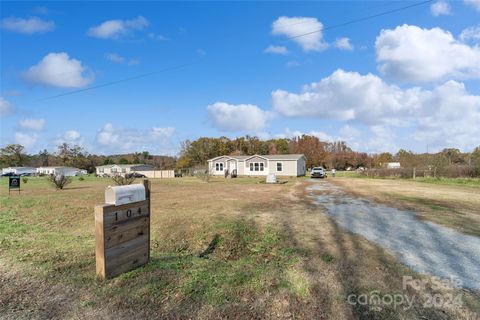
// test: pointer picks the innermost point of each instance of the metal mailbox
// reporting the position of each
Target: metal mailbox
(124, 194)
(122, 230)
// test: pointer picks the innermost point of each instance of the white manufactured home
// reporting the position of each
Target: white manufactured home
(259, 165)
(61, 170)
(113, 169)
(19, 170)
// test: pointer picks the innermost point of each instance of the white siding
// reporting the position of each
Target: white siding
(289, 167)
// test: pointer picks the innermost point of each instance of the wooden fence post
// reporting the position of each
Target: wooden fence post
(122, 235)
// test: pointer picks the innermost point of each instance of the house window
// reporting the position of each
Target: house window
(257, 166)
(279, 166)
(219, 166)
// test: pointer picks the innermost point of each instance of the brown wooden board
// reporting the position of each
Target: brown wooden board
(122, 236)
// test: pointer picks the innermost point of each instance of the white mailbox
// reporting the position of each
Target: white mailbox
(124, 194)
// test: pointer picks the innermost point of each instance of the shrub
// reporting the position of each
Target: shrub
(123, 180)
(24, 180)
(203, 175)
(81, 178)
(59, 181)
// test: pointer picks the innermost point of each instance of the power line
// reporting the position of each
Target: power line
(361, 19)
(303, 22)
(120, 81)
(191, 63)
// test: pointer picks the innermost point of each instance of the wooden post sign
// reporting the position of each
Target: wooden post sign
(122, 229)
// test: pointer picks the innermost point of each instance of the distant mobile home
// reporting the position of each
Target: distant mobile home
(259, 165)
(393, 165)
(61, 170)
(113, 169)
(19, 170)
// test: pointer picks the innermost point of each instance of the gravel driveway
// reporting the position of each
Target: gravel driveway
(424, 246)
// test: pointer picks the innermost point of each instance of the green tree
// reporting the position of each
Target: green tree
(13, 155)
(452, 154)
(108, 161)
(43, 157)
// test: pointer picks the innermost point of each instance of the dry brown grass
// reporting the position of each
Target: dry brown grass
(47, 270)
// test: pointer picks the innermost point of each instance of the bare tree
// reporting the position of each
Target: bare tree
(59, 181)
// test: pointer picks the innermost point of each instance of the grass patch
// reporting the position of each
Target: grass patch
(231, 248)
(327, 258)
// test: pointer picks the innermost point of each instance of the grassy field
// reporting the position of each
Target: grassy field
(276, 256)
(469, 182)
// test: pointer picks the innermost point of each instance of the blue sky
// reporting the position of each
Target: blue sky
(409, 79)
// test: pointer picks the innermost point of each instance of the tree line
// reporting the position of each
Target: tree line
(330, 155)
(14, 155)
(194, 154)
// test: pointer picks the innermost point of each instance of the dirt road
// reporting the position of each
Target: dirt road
(424, 246)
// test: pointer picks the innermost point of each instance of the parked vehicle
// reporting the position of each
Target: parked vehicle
(136, 175)
(318, 172)
(9, 174)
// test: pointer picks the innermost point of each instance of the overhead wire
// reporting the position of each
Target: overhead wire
(197, 61)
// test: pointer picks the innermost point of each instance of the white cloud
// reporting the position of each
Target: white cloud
(473, 3)
(157, 37)
(114, 29)
(133, 140)
(25, 139)
(472, 33)
(32, 124)
(6, 107)
(343, 44)
(27, 26)
(71, 137)
(446, 115)
(377, 139)
(306, 32)
(292, 64)
(115, 58)
(41, 10)
(323, 136)
(439, 8)
(348, 132)
(412, 54)
(241, 117)
(58, 70)
(276, 50)
(454, 118)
